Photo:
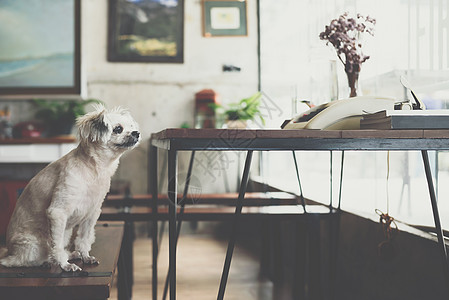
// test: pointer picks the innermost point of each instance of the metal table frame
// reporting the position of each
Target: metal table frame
(175, 140)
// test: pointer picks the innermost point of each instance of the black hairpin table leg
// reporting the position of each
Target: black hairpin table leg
(172, 195)
(154, 193)
(238, 211)
(301, 194)
(181, 212)
(334, 232)
(436, 216)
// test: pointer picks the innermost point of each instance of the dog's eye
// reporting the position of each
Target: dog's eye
(118, 129)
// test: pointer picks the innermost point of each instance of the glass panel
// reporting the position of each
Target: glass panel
(411, 39)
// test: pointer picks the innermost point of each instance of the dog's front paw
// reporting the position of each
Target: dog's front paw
(75, 255)
(90, 260)
(68, 267)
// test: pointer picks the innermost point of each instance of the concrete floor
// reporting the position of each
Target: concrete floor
(199, 265)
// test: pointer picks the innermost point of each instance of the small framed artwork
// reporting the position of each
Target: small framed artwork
(146, 31)
(40, 48)
(224, 18)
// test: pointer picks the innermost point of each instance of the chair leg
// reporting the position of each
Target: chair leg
(125, 267)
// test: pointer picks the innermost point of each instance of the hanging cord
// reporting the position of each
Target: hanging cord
(385, 248)
(386, 221)
(386, 182)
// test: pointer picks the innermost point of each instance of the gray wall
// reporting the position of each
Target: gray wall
(161, 95)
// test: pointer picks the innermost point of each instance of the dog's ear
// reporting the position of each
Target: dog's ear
(92, 127)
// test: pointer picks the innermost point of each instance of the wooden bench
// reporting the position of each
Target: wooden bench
(207, 207)
(210, 213)
(251, 199)
(94, 282)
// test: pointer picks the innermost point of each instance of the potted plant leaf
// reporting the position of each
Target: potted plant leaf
(237, 114)
(58, 117)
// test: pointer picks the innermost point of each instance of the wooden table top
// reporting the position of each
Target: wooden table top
(209, 133)
(300, 139)
(96, 286)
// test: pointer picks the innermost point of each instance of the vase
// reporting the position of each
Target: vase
(236, 124)
(352, 71)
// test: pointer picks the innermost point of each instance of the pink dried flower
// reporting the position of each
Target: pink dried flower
(344, 34)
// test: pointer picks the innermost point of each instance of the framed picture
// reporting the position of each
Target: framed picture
(146, 31)
(224, 18)
(40, 47)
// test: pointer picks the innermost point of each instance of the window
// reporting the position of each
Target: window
(411, 38)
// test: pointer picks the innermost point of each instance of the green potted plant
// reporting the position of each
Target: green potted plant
(237, 114)
(59, 117)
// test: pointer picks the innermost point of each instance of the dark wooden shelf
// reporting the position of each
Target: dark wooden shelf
(52, 140)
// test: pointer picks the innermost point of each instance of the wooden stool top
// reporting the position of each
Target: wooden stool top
(94, 282)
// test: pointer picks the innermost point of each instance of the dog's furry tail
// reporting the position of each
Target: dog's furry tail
(3, 252)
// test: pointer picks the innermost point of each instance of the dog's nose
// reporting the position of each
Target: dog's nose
(135, 134)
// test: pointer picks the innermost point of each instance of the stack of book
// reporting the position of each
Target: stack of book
(406, 119)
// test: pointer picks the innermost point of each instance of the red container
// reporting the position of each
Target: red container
(9, 193)
(204, 113)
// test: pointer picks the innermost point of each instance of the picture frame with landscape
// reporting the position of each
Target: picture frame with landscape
(40, 48)
(146, 31)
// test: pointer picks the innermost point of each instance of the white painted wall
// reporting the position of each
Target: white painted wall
(161, 95)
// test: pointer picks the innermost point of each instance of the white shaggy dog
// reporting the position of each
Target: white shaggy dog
(68, 193)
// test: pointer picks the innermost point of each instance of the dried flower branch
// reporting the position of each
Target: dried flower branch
(345, 35)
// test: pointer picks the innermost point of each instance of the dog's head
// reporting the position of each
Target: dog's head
(115, 128)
